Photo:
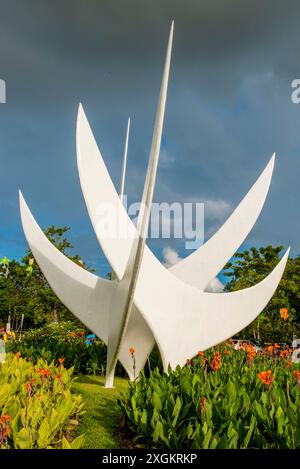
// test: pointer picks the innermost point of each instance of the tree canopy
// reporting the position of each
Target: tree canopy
(250, 267)
(25, 290)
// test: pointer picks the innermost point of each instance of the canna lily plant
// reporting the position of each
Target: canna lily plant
(37, 407)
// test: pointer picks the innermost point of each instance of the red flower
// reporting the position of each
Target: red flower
(200, 354)
(131, 350)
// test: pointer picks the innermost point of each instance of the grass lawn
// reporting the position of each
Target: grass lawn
(100, 420)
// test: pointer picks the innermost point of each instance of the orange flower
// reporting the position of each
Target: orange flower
(17, 355)
(4, 427)
(5, 432)
(270, 349)
(284, 353)
(131, 350)
(72, 334)
(58, 377)
(61, 360)
(297, 374)
(204, 360)
(28, 387)
(226, 352)
(251, 353)
(288, 363)
(266, 377)
(276, 346)
(200, 354)
(284, 313)
(44, 373)
(215, 363)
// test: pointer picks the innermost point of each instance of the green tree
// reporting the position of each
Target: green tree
(25, 290)
(250, 267)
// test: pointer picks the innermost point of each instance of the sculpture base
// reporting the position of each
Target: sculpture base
(109, 380)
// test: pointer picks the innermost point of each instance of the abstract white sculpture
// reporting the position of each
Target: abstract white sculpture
(145, 302)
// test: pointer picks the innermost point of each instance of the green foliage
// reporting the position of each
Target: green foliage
(252, 266)
(195, 407)
(64, 340)
(37, 407)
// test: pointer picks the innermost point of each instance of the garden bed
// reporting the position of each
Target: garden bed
(37, 406)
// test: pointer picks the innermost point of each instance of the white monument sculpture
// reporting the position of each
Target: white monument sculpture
(145, 302)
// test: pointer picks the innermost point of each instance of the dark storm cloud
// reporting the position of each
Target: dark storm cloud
(228, 107)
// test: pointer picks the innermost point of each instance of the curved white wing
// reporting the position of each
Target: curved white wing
(206, 262)
(185, 320)
(77, 288)
(85, 294)
(99, 193)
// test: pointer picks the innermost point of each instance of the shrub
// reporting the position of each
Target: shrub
(221, 399)
(37, 408)
(64, 339)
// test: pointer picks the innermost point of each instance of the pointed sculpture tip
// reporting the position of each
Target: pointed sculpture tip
(271, 163)
(22, 202)
(81, 116)
(80, 112)
(172, 30)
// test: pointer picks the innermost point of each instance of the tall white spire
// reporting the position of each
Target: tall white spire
(124, 164)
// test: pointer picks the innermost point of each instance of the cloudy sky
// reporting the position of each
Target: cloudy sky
(229, 107)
